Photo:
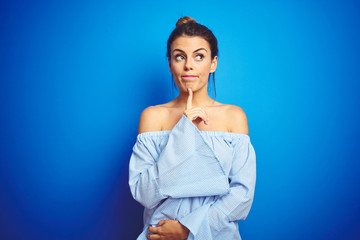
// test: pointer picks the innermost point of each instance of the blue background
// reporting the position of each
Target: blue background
(75, 76)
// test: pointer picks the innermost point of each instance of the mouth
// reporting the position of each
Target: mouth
(189, 76)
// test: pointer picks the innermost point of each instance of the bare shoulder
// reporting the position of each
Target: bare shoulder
(237, 120)
(150, 119)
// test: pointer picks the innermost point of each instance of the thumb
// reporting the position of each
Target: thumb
(189, 101)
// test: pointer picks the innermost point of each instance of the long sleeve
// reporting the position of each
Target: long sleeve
(236, 205)
(218, 220)
(186, 167)
(142, 173)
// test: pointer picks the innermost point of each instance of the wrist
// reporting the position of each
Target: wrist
(185, 231)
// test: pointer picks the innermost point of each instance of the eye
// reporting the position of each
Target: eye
(179, 57)
(199, 57)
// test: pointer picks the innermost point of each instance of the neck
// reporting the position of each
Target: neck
(200, 99)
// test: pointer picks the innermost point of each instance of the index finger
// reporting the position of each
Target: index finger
(189, 101)
(153, 229)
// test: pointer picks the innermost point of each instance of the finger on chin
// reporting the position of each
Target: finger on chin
(189, 100)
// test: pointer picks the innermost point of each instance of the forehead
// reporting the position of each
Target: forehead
(190, 43)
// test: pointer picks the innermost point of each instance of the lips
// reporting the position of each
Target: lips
(189, 76)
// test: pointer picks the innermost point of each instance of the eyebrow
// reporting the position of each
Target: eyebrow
(193, 52)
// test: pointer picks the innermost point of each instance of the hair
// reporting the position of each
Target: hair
(187, 26)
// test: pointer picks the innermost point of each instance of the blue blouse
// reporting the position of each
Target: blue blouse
(203, 179)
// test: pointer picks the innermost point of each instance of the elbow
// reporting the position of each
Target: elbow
(147, 197)
(147, 203)
(241, 211)
(247, 208)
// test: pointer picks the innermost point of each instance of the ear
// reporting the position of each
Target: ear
(213, 64)
(169, 60)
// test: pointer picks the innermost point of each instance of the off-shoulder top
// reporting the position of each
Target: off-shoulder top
(203, 179)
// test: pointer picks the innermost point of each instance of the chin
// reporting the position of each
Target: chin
(185, 86)
(193, 88)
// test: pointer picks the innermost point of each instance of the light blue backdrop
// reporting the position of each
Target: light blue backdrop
(75, 76)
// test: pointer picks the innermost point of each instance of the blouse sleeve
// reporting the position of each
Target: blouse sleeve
(142, 173)
(236, 205)
(186, 167)
(220, 217)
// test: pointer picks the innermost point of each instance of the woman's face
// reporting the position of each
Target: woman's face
(190, 63)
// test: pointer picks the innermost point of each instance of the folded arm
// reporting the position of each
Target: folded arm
(174, 172)
(220, 216)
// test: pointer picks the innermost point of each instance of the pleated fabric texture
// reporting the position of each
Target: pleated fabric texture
(204, 179)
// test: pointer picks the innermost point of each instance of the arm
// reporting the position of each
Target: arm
(219, 218)
(142, 175)
(243, 170)
(236, 205)
(142, 167)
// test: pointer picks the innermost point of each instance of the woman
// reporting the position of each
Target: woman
(193, 166)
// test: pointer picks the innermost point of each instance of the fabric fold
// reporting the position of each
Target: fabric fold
(221, 217)
(185, 153)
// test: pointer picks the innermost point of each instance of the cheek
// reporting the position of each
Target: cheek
(173, 69)
(177, 68)
(205, 69)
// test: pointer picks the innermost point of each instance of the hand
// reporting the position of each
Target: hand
(194, 113)
(168, 230)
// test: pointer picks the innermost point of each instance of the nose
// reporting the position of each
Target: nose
(188, 65)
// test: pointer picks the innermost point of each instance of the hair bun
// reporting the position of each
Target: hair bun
(185, 20)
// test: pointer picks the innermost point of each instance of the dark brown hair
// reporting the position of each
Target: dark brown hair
(189, 27)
